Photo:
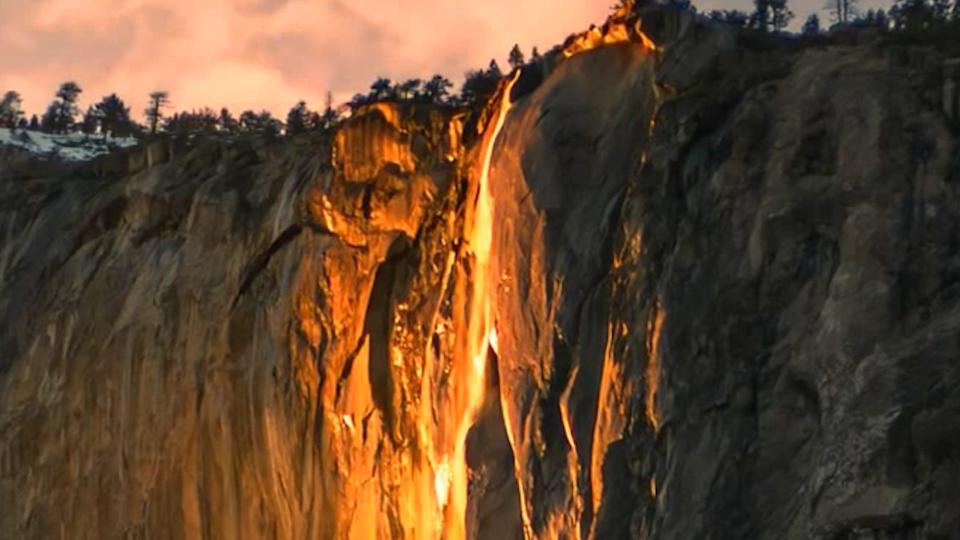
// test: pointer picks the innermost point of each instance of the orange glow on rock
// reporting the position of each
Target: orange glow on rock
(608, 34)
(654, 325)
(622, 27)
(441, 483)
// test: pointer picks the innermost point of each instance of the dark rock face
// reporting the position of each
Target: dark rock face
(801, 242)
(722, 289)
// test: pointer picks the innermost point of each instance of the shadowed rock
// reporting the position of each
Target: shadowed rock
(724, 282)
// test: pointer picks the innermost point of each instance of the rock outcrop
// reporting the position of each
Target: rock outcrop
(678, 284)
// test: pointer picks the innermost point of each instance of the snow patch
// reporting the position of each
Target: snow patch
(67, 146)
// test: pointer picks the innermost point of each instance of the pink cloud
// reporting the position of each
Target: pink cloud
(263, 54)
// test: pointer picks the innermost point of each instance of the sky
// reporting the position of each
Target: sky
(269, 54)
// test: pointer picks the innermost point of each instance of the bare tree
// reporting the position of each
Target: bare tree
(154, 111)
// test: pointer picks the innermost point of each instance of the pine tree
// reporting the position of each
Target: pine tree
(381, 89)
(49, 122)
(34, 123)
(227, 122)
(760, 18)
(409, 89)
(114, 117)
(516, 59)
(812, 26)
(62, 112)
(207, 119)
(867, 20)
(780, 14)
(880, 19)
(872, 19)
(203, 120)
(159, 100)
(842, 11)
(493, 70)
(357, 101)
(298, 119)
(68, 94)
(437, 89)
(91, 121)
(535, 55)
(262, 122)
(912, 15)
(270, 125)
(478, 86)
(10, 109)
(733, 17)
(330, 115)
(941, 11)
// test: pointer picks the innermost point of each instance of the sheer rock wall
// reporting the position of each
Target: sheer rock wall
(724, 281)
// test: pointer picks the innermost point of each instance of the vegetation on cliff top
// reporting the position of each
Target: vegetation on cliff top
(936, 21)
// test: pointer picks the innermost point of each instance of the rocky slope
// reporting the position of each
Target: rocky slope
(707, 288)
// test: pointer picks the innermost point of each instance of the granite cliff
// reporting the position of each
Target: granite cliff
(674, 282)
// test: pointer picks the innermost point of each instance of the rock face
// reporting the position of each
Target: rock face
(707, 290)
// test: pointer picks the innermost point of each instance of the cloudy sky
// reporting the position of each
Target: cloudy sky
(268, 54)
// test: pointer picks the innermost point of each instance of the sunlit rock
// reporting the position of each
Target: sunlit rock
(695, 288)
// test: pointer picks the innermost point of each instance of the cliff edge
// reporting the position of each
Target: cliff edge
(672, 283)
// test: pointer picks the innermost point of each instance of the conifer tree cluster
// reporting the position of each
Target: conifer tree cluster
(110, 116)
(908, 16)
